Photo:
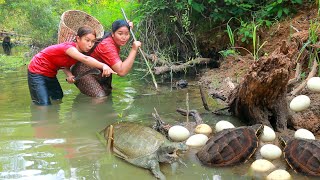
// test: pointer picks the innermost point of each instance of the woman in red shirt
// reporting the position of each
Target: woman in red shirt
(43, 68)
(107, 50)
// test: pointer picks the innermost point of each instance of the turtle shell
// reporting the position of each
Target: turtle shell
(132, 140)
(231, 146)
(303, 156)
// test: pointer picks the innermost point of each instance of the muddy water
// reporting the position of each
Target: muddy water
(60, 142)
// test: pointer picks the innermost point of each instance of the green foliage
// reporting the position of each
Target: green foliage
(228, 52)
(313, 35)
(167, 29)
(279, 8)
(223, 10)
(177, 34)
(230, 34)
(313, 38)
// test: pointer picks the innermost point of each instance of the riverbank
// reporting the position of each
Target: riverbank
(235, 67)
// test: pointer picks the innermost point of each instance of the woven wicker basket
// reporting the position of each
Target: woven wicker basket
(72, 20)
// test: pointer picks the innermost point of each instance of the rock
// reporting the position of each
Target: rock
(304, 134)
(300, 103)
(270, 151)
(203, 129)
(182, 83)
(268, 134)
(221, 125)
(178, 133)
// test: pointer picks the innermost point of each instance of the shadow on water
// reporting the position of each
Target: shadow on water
(60, 142)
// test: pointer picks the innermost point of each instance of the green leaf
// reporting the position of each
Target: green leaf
(198, 7)
(279, 13)
(268, 23)
(297, 1)
(245, 6)
(286, 10)
(269, 8)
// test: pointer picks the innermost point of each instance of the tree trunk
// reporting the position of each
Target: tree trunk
(261, 96)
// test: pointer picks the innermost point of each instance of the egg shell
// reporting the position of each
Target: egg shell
(197, 140)
(203, 129)
(268, 134)
(300, 103)
(270, 151)
(262, 165)
(178, 133)
(304, 134)
(279, 174)
(221, 125)
(313, 84)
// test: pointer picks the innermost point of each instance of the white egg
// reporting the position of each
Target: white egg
(203, 129)
(262, 165)
(279, 174)
(268, 134)
(221, 125)
(178, 133)
(304, 134)
(197, 140)
(300, 103)
(270, 151)
(314, 84)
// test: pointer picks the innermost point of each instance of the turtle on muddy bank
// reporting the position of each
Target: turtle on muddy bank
(143, 146)
(231, 146)
(302, 155)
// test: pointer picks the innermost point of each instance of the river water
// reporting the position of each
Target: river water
(60, 141)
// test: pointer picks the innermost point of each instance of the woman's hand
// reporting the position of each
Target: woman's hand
(106, 71)
(70, 79)
(130, 24)
(136, 45)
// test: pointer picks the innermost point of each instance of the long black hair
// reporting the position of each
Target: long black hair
(115, 26)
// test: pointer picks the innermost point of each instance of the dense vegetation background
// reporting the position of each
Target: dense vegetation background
(174, 30)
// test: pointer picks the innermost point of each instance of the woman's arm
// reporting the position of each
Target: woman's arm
(70, 76)
(90, 61)
(123, 68)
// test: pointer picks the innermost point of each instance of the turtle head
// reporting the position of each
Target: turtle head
(258, 128)
(168, 152)
(283, 140)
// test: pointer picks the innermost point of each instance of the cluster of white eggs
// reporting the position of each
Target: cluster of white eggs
(202, 132)
(268, 151)
(302, 102)
(271, 152)
(179, 133)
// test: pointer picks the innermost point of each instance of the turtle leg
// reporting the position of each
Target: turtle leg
(155, 168)
(174, 167)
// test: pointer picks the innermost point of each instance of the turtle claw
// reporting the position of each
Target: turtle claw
(183, 163)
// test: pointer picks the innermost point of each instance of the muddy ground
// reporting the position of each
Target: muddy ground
(235, 67)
